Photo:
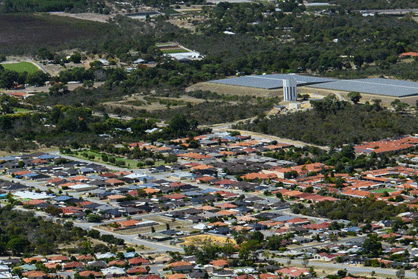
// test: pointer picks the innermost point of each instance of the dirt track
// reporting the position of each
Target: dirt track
(86, 16)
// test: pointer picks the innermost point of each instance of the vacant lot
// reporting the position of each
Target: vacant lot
(21, 67)
(23, 32)
(203, 239)
(162, 226)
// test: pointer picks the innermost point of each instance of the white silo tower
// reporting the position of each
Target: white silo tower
(290, 91)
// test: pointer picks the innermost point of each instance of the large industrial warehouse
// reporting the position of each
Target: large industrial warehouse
(270, 81)
(372, 88)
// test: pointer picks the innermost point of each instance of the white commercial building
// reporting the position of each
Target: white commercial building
(290, 92)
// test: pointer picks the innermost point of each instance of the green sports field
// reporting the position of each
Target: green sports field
(380, 191)
(21, 67)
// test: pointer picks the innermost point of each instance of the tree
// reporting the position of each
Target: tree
(18, 245)
(179, 123)
(398, 105)
(172, 158)
(305, 262)
(354, 97)
(75, 58)
(54, 211)
(400, 273)
(38, 78)
(372, 246)
(358, 61)
(94, 218)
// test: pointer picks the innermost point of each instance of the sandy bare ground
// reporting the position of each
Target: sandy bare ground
(129, 102)
(234, 90)
(86, 16)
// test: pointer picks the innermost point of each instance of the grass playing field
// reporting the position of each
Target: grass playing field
(21, 67)
(174, 50)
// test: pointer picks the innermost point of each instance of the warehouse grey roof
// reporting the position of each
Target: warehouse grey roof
(270, 81)
(378, 86)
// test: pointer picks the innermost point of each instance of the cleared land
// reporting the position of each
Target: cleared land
(21, 67)
(234, 90)
(153, 103)
(203, 239)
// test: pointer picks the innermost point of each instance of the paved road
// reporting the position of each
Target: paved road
(158, 247)
(351, 269)
(88, 161)
(227, 127)
(359, 239)
(133, 239)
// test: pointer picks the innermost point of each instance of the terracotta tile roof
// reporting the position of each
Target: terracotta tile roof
(151, 191)
(218, 224)
(87, 273)
(78, 178)
(226, 212)
(59, 258)
(84, 257)
(262, 176)
(225, 182)
(177, 184)
(73, 265)
(68, 184)
(179, 263)
(37, 259)
(297, 220)
(226, 205)
(406, 54)
(108, 175)
(128, 223)
(34, 202)
(136, 269)
(114, 181)
(319, 226)
(384, 146)
(116, 197)
(220, 263)
(175, 276)
(138, 261)
(23, 172)
(205, 178)
(226, 194)
(207, 208)
(268, 276)
(357, 193)
(55, 180)
(292, 271)
(175, 196)
(117, 263)
(195, 156)
(202, 167)
(34, 273)
(51, 265)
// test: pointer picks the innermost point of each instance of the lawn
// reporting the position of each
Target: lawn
(380, 191)
(175, 50)
(21, 67)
